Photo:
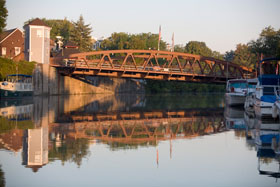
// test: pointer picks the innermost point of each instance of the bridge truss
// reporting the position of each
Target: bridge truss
(151, 64)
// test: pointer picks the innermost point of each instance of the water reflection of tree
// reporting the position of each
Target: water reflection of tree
(7, 125)
(183, 101)
(2, 177)
(71, 150)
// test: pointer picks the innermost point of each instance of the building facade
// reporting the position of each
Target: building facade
(37, 42)
(11, 43)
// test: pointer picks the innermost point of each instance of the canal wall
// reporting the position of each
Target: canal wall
(47, 81)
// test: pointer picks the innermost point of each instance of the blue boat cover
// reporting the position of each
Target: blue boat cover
(268, 98)
(268, 138)
(20, 75)
(269, 79)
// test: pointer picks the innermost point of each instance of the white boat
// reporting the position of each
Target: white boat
(265, 95)
(16, 85)
(234, 118)
(236, 91)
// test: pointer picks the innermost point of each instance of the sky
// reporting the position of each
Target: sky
(221, 24)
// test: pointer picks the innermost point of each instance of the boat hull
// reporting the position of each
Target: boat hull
(263, 109)
(14, 94)
(235, 100)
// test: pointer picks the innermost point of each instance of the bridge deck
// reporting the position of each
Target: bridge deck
(147, 64)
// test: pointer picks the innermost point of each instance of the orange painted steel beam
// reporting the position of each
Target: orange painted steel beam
(151, 64)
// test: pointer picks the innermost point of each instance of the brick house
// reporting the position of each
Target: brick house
(11, 43)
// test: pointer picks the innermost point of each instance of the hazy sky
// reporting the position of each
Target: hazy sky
(221, 24)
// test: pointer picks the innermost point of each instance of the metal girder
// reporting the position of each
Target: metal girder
(151, 64)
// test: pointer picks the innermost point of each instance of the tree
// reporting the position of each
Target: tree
(198, 48)
(243, 56)
(179, 48)
(59, 28)
(132, 41)
(267, 44)
(3, 15)
(81, 34)
(229, 55)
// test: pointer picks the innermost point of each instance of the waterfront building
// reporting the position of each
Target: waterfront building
(35, 148)
(37, 41)
(11, 43)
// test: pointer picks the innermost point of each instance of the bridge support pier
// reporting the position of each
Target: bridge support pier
(48, 81)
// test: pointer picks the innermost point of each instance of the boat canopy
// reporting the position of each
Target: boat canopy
(269, 79)
(19, 75)
(269, 59)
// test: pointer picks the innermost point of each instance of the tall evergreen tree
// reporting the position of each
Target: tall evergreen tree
(3, 15)
(81, 35)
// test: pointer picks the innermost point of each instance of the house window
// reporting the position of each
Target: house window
(17, 51)
(4, 51)
(39, 33)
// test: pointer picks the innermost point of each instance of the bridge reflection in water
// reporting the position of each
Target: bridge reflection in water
(69, 129)
(64, 131)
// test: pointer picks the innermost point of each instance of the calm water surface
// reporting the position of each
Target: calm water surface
(135, 140)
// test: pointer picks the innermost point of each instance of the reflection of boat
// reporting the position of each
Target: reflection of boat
(17, 85)
(250, 97)
(22, 112)
(236, 92)
(276, 105)
(234, 118)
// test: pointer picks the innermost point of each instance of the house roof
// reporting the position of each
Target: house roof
(38, 22)
(70, 44)
(6, 33)
(65, 53)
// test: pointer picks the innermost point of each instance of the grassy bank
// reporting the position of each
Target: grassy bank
(153, 86)
(8, 66)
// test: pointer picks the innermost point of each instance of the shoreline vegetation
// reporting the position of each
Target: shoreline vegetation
(8, 66)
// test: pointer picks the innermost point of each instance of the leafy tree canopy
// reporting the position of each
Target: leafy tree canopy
(3, 15)
(132, 41)
(243, 56)
(267, 44)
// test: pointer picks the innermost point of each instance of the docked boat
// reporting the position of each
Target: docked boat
(268, 81)
(265, 95)
(236, 91)
(16, 85)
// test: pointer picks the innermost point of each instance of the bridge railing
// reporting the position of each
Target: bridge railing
(146, 62)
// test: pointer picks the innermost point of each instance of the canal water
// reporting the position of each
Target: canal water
(135, 140)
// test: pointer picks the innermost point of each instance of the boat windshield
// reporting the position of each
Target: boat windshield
(252, 85)
(238, 85)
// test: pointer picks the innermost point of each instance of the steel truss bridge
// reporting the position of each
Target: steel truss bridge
(151, 64)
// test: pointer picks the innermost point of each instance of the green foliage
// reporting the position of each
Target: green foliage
(81, 34)
(59, 28)
(132, 41)
(267, 44)
(198, 48)
(3, 15)
(153, 86)
(179, 48)
(243, 56)
(177, 101)
(8, 66)
(7, 125)
(229, 55)
(71, 150)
